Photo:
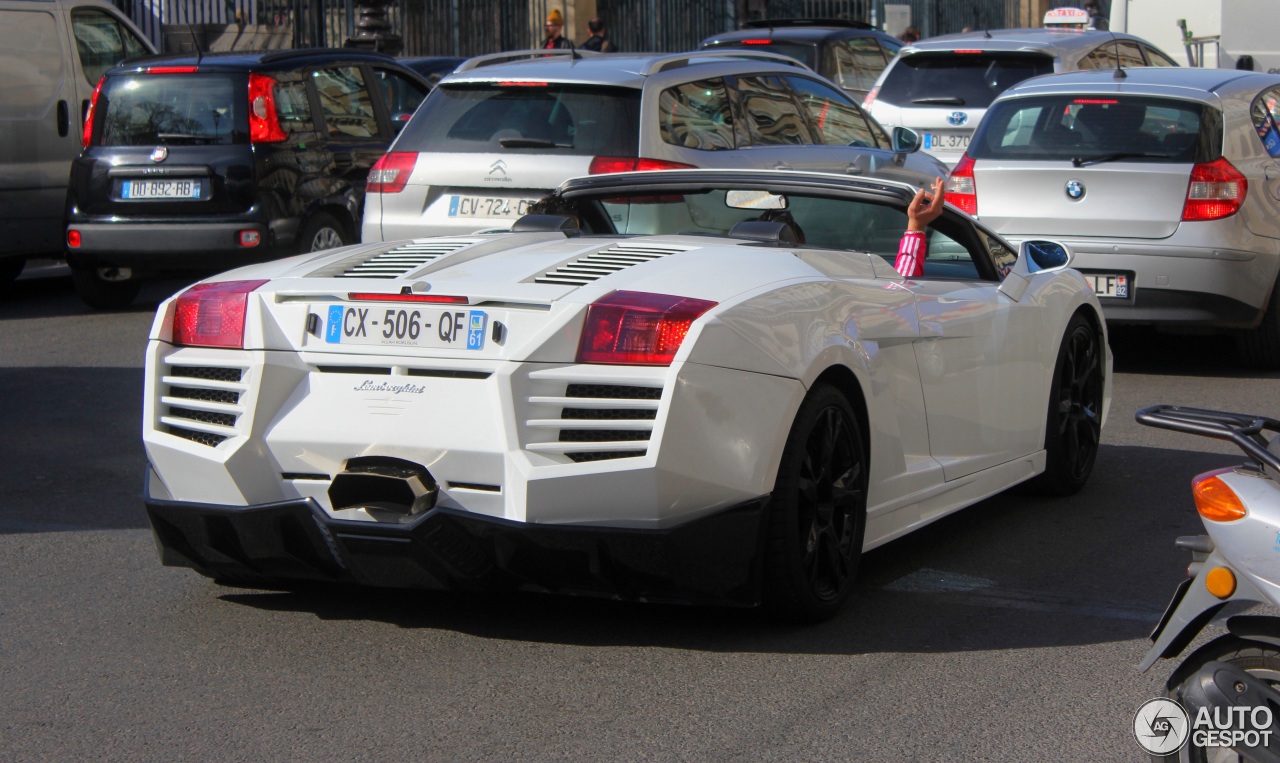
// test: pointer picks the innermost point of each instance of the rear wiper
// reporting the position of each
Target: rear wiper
(941, 100)
(1081, 161)
(531, 143)
(181, 136)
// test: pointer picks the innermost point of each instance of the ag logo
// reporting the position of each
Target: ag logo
(1161, 726)
(1075, 190)
(957, 118)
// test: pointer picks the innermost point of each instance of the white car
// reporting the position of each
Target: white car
(698, 386)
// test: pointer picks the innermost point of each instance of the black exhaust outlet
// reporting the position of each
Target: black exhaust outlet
(384, 483)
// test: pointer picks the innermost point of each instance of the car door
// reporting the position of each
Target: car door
(351, 133)
(981, 363)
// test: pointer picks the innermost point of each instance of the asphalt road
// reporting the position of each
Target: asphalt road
(1008, 631)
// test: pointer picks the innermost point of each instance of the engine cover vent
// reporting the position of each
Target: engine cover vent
(597, 265)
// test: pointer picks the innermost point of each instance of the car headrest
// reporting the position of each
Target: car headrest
(777, 233)
(546, 224)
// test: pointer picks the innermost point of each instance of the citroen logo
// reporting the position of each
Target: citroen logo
(159, 154)
(1075, 190)
(957, 118)
(498, 166)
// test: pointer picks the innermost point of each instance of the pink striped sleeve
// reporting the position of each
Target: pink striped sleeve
(912, 250)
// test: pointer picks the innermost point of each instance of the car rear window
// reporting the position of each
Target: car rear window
(1098, 127)
(579, 120)
(172, 109)
(972, 80)
(806, 54)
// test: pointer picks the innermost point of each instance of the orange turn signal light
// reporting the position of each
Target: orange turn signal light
(1221, 582)
(1214, 499)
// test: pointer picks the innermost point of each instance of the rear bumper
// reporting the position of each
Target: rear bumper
(715, 560)
(179, 246)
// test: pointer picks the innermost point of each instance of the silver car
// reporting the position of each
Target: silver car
(1165, 183)
(498, 134)
(941, 87)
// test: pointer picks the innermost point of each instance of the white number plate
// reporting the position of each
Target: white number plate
(434, 327)
(1112, 285)
(488, 206)
(160, 189)
(946, 141)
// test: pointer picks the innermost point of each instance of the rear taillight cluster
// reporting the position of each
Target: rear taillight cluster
(1216, 190)
(637, 328)
(391, 172)
(212, 314)
(264, 122)
(962, 191)
(88, 117)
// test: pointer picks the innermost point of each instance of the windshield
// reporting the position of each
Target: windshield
(531, 117)
(802, 52)
(154, 109)
(971, 80)
(1092, 129)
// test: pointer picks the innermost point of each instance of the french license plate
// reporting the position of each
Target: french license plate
(160, 189)
(488, 206)
(427, 327)
(946, 141)
(1114, 285)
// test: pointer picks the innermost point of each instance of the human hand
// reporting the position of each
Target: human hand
(926, 207)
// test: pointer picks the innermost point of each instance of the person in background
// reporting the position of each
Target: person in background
(1096, 19)
(914, 245)
(599, 40)
(910, 35)
(554, 28)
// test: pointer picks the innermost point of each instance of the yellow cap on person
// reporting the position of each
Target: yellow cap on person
(555, 17)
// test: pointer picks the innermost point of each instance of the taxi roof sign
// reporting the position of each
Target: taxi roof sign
(1069, 18)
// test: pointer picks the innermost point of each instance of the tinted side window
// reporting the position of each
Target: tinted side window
(31, 59)
(292, 107)
(1099, 58)
(1266, 118)
(402, 95)
(1156, 58)
(974, 79)
(1130, 55)
(859, 62)
(839, 122)
(696, 115)
(345, 102)
(773, 118)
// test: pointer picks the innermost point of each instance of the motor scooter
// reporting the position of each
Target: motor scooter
(1228, 687)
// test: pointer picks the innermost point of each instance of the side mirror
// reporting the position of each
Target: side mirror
(905, 140)
(1034, 256)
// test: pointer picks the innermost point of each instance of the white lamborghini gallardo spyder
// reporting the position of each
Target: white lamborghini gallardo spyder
(695, 386)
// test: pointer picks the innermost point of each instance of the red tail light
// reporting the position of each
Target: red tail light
(73, 239)
(607, 165)
(1217, 190)
(391, 173)
(635, 328)
(757, 42)
(871, 97)
(264, 122)
(962, 191)
(87, 135)
(212, 314)
(172, 69)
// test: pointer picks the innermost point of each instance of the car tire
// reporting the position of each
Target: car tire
(105, 288)
(1259, 347)
(321, 231)
(817, 511)
(1073, 427)
(1257, 659)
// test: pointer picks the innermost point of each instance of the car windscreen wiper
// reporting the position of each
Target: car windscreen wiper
(1081, 161)
(184, 137)
(531, 143)
(949, 100)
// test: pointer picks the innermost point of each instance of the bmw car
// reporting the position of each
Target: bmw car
(698, 386)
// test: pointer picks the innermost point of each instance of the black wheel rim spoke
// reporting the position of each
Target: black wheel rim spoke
(1079, 398)
(830, 496)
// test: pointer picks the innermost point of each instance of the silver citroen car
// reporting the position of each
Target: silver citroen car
(504, 130)
(941, 87)
(1165, 183)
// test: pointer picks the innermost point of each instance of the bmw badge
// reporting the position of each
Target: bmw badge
(1075, 190)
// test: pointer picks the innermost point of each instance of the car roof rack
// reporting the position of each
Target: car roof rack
(490, 59)
(677, 60)
(780, 23)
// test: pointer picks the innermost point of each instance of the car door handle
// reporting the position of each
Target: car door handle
(64, 119)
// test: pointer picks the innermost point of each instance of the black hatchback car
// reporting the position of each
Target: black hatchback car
(849, 53)
(208, 162)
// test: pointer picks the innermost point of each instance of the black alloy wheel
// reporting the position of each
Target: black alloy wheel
(818, 511)
(1074, 426)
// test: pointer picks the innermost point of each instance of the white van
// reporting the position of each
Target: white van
(52, 54)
